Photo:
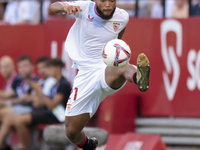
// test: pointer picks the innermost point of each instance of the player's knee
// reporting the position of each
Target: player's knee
(71, 132)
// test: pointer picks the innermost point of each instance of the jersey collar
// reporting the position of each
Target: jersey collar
(96, 14)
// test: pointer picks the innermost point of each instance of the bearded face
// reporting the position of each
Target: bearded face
(105, 8)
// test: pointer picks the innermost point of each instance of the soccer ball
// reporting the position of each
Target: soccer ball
(116, 53)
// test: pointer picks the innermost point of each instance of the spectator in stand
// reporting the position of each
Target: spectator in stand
(196, 9)
(21, 12)
(143, 7)
(20, 89)
(46, 81)
(7, 70)
(156, 9)
(128, 5)
(194, 2)
(169, 6)
(53, 106)
(181, 9)
(45, 9)
(1, 10)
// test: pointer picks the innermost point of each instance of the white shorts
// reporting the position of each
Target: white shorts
(89, 90)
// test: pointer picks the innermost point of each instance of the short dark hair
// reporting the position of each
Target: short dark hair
(55, 62)
(25, 57)
(43, 59)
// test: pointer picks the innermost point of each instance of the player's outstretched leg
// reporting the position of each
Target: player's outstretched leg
(139, 74)
(73, 128)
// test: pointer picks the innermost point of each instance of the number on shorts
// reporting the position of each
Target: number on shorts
(76, 91)
(75, 95)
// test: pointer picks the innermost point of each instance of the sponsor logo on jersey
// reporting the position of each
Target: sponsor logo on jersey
(91, 19)
(116, 25)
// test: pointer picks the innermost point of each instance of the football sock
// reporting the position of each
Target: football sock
(86, 145)
(83, 143)
(134, 79)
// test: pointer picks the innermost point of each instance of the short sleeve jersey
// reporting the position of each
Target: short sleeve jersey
(90, 33)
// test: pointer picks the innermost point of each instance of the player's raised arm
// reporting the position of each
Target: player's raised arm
(58, 7)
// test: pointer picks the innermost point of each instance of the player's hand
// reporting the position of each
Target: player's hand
(70, 9)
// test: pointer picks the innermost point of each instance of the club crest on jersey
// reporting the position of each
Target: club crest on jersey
(68, 107)
(91, 19)
(116, 25)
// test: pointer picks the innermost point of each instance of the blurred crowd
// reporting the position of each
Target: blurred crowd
(27, 100)
(15, 12)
